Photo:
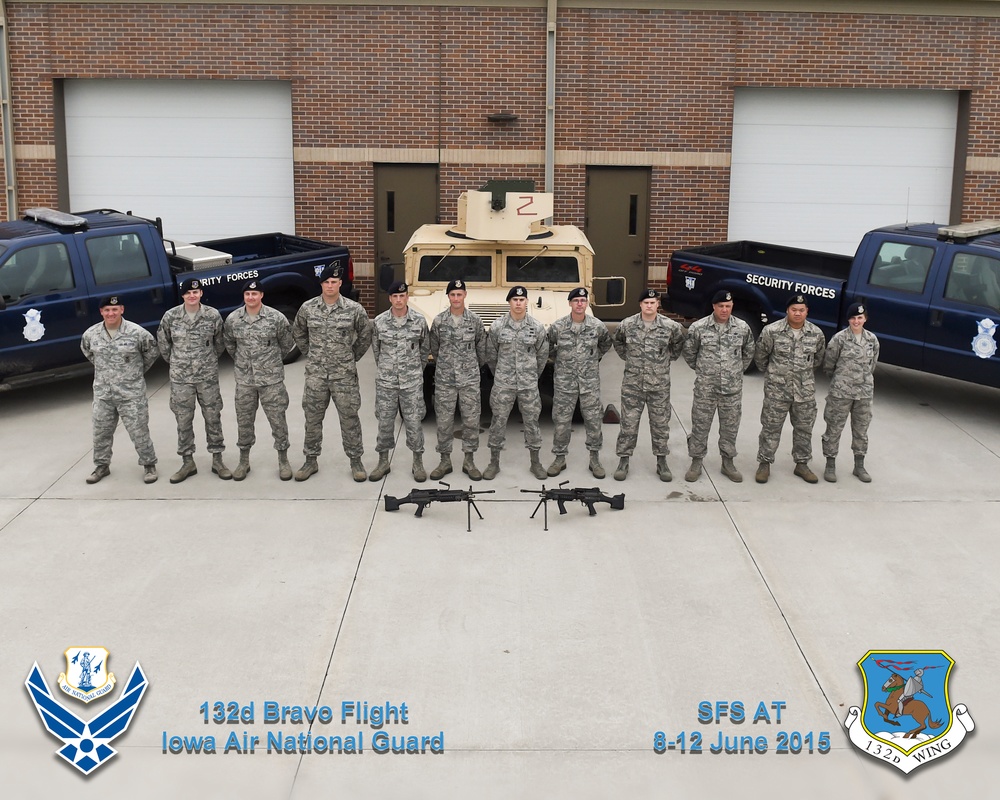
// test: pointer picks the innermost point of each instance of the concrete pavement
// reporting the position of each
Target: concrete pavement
(546, 661)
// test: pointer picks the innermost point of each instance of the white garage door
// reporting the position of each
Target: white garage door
(212, 158)
(819, 168)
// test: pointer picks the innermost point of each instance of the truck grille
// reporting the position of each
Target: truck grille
(488, 313)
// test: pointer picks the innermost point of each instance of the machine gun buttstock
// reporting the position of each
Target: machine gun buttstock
(391, 503)
(618, 502)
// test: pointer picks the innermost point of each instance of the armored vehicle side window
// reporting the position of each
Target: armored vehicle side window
(901, 266)
(975, 280)
(471, 269)
(36, 270)
(118, 258)
(542, 269)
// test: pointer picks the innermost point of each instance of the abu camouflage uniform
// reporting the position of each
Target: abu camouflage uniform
(401, 349)
(459, 349)
(789, 360)
(516, 353)
(577, 350)
(192, 346)
(647, 351)
(120, 365)
(719, 355)
(257, 347)
(851, 363)
(334, 337)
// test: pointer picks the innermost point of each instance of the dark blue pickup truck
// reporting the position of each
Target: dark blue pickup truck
(55, 267)
(932, 292)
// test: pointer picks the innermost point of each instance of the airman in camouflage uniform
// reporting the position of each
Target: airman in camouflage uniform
(258, 337)
(458, 345)
(334, 332)
(121, 353)
(577, 342)
(718, 348)
(191, 340)
(788, 353)
(850, 360)
(401, 344)
(516, 351)
(647, 342)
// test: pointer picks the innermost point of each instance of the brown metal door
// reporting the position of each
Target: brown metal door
(406, 197)
(617, 225)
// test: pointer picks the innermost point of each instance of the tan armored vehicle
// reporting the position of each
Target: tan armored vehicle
(500, 241)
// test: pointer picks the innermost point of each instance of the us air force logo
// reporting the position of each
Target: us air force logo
(33, 330)
(983, 343)
(318, 269)
(689, 282)
(86, 743)
(907, 719)
(86, 677)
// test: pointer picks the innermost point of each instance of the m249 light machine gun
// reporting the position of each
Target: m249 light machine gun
(588, 497)
(422, 498)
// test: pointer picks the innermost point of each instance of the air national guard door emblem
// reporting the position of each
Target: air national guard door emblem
(907, 719)
(86, 743)
(86, 677)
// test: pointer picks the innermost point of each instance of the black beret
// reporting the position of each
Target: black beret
(399, 287)
(517, 291)
(190, 285)
(722, 296)
(579, 291)
(856, 309)
(252, 286)
(333, 270)
(110, 300)
(797, 299)
(649, 294)
(458, 283)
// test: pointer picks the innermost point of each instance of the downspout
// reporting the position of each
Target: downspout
(6, 121)
(550, 97)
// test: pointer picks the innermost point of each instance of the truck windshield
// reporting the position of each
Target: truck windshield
(542, 269)
(445, 268)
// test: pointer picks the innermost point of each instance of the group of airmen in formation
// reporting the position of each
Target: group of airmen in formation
(334, 332)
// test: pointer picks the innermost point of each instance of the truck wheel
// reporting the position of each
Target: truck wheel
(289, 308)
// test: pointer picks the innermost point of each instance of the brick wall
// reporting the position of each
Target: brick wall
(426, 77)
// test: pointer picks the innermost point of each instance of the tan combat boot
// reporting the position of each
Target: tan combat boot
(243, 468)
(730, 471)
(310, 467)
(536, 466)
(493, 468)
(859, 470)
(381, 469)
(219, 467)
(469, 468)
(622, 472)
(694, 471)
(443, 468)
(284, 468)
(419, 473)
(188, 468)
(663, 470)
